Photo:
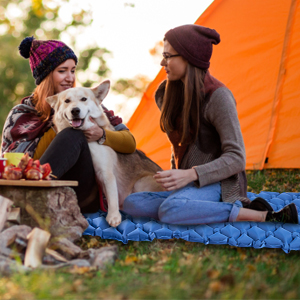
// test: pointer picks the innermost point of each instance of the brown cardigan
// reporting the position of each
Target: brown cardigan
(219, 152)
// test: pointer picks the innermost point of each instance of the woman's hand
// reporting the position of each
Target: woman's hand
(174, 179)
(94, 133)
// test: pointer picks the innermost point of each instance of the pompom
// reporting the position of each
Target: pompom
(25, 46)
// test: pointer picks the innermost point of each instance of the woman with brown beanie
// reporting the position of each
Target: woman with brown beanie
(29, 128)
(207, 182)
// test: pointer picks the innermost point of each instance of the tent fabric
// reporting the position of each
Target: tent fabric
(239, 234)
(258, 59)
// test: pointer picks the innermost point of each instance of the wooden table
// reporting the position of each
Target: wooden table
(38, 183)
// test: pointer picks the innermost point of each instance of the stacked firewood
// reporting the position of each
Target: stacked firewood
(37, 248)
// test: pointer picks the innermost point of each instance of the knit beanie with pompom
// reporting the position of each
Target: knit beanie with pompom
(194, 43)
(45, 56)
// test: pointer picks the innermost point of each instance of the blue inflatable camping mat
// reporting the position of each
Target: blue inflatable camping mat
(240, 234)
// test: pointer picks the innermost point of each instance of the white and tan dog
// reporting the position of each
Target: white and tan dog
(119, 174)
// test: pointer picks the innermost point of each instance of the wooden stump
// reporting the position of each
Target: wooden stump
(54, 209)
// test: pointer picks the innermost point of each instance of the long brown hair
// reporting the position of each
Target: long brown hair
(182, 105)
(42, 91)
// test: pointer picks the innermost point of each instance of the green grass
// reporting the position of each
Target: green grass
(176, 269)
(280, 180)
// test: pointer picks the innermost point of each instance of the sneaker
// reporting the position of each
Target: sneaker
(288, 214)
(260, 204)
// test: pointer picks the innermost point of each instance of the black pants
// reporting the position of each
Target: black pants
(70, 159)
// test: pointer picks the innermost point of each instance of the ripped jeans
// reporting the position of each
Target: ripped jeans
(189, 205)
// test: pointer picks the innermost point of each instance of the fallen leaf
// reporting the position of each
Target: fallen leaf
(130, 259)
(81, 270)
(251, 268)
(227, 279)
(185, 262)
(243, 256)
(143, 257)
(156, 268)
(78, 286)
(188, 256)
(213, 274)
(274, 271)
(92, 243)
(258, 258)
(216, 286)
(166, 251)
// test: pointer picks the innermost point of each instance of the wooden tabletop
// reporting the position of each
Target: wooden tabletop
(38, 183)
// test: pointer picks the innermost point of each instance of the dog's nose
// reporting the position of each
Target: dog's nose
(75, 111)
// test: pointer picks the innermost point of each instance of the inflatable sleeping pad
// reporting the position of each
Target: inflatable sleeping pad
(240, 234)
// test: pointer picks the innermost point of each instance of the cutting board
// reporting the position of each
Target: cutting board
(38, 183)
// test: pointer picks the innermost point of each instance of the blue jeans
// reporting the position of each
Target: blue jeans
(189, 205)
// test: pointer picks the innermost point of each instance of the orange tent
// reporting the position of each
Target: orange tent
(259, 61)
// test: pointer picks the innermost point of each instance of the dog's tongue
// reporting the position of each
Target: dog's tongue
(76, 123)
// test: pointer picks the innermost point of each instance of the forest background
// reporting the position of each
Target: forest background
(100, 32)
(43, 20)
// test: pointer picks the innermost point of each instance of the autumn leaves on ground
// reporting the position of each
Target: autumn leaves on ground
(176, 269)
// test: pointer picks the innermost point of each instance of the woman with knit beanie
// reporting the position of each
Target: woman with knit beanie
(207, 182)
(29, 128)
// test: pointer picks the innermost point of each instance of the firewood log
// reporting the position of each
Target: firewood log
(14, 215)
(55, 254)
(5, 205)
(8, 236)
(37, 242)
(65, 247)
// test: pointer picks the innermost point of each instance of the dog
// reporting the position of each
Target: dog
(119, 174)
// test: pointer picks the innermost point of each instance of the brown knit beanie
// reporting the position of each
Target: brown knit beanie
(194, 43)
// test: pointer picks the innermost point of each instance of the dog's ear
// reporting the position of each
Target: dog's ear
(52, 100)
(101, 90)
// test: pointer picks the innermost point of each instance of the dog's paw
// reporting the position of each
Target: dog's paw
(114, 219)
